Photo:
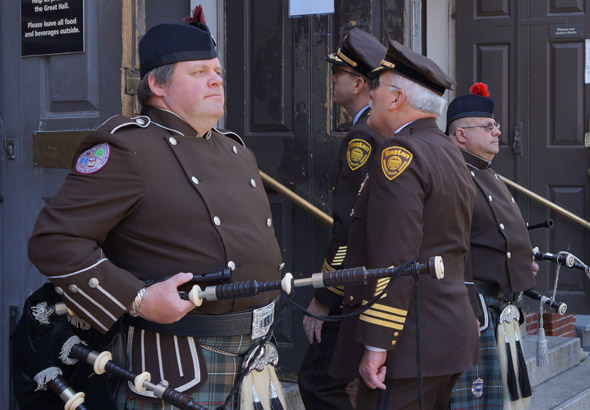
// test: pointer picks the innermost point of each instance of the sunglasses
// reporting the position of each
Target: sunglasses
(336, 70)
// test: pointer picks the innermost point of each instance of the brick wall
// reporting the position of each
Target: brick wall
(553, 323)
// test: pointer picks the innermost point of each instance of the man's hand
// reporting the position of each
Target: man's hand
(162, 303)
(372, 370)
(535, 267)
(313, 326)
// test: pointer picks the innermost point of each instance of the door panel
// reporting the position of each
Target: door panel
(44, 94)
(542, 102)
(279, 100)
(559, 119)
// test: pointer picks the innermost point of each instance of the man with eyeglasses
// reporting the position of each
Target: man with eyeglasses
(359, 53)
(500, 259)
(416, 203)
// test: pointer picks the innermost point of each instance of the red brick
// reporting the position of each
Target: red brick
(567, 319)
(561, 330)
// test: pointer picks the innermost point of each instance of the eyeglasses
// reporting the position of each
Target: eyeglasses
(336, 70)
(489, 126)
(376, 83)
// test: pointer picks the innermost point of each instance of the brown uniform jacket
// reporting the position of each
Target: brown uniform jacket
(501, 251)
(417, 203)
(164, 202)
(354, 161)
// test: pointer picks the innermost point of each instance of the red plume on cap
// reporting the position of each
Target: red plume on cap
(197, 17)
(480, 89)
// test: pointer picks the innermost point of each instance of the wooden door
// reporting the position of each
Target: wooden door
(47, 104)
(532, 55)
(279, 99)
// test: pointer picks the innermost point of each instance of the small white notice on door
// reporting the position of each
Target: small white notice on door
(587, 62)
(302, 7)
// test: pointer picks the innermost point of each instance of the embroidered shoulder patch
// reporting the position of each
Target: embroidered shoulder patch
(358, 153)
(394, 160)
(93, 159)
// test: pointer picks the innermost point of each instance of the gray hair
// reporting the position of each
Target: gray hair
(420, 97)
(162, 75)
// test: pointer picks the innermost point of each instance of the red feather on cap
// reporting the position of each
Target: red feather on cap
(197, 17)
(480, 89)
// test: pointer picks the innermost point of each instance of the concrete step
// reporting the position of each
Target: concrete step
(564, 354)
(569, 390)
(582, 329)
(563, 384)
(292, 396)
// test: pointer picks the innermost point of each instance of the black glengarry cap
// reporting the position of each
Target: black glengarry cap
(173, 42)
(475, 104)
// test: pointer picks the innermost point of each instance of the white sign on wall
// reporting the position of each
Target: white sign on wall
(302, 7)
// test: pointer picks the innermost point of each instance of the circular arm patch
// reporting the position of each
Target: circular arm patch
(93, 159)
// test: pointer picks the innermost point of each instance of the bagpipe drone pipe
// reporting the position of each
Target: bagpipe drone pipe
(54, 368)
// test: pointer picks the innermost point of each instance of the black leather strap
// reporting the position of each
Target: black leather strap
(493, 291)
(228, 324)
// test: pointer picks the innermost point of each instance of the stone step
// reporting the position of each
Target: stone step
(564, 354)
(582, 329)
(569, 390)
(292, 396)
(564, 382)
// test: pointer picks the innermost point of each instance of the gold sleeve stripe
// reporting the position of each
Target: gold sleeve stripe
(389, 309)
(379, 288)
(336, 291)
(385, 316)
(381, 284)
(381, 322)
(341, 249)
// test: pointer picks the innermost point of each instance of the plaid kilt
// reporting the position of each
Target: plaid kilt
(488, 370)
(222, 370)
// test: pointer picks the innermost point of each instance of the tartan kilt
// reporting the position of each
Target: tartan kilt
(222, 370)
(488, 370)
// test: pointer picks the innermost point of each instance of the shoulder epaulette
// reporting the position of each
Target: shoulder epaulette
(116, 122)
(231, 135)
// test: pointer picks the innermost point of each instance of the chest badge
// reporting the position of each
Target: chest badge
(394, 160)
(358, 153)
(93, 159)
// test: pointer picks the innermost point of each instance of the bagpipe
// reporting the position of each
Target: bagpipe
(343, 277)
(562, 258)
(55, 368)
(47, 345)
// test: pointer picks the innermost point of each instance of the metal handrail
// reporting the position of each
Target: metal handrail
(327, 219)
(296, 199)
(547, 203)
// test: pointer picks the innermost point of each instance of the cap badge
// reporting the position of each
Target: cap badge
(358, 153)
(93, 159)
(394, 160)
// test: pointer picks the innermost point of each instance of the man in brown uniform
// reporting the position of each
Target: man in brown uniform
(159, 195)
(500, 256)
(359, 53)
(417, 203)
